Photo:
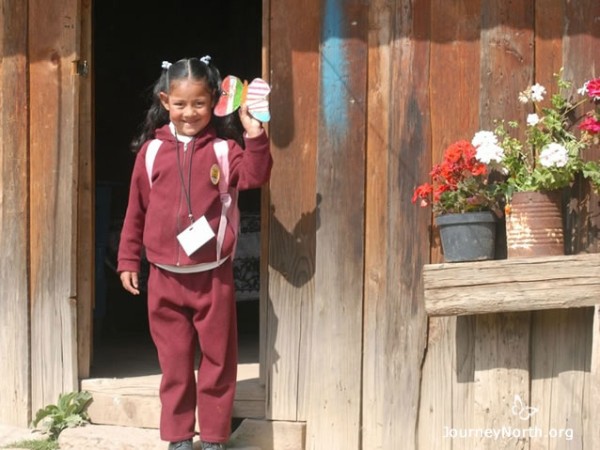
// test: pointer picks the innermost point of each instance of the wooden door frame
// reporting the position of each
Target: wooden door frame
(86, 203)
(53, 52)
(264, 213)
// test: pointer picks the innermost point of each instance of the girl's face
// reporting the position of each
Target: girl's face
(189, 104)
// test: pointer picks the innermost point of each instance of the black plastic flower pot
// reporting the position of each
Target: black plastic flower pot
(468, 236)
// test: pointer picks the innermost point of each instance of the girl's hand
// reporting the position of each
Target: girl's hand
(252, 126)
(130, 282)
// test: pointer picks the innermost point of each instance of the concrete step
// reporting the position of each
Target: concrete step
(134, 401)
(250, 435)
(109, 437)
(269, 435)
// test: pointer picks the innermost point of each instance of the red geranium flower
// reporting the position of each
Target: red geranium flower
(593, 88)
(590, 124)
(422, 191)
(458, 183)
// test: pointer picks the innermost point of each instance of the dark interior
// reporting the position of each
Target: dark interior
(130, 40)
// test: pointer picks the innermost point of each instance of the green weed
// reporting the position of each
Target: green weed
(35, 444)
(69, 411)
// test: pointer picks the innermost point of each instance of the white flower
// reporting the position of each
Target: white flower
(533, 120)
(484, 138)
(583, 89)
(537, 92)
(523, 97)
(489, 153)
(554, 154)
(488, 150)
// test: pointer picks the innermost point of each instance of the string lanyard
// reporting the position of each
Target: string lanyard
(188, 191)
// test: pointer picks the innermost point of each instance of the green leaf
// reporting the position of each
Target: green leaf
(69, 411)
(43, 413)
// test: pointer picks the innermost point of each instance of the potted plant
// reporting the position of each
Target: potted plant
(465, 204)
(538, 167)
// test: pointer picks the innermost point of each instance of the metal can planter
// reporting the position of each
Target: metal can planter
(467, 236)
(534, 225)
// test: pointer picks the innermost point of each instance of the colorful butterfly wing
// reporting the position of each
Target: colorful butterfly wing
(231, 96)
(234, 92)
(256, 99)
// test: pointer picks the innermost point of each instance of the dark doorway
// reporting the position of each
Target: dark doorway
(130, 40)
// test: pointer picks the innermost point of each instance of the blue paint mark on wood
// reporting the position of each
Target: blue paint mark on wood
(334, 69)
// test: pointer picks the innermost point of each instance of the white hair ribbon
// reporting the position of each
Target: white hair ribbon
(166, 65)
(206, 59)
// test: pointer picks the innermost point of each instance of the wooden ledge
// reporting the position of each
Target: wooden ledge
(509, 285)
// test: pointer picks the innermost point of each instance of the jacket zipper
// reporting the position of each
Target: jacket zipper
(178, 262)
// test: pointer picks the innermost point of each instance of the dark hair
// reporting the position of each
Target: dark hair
(228, 127)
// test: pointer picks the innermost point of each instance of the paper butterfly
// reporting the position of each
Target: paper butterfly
(235, 93)
(520, 408)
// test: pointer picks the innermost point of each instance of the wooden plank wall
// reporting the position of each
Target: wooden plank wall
(476, 365)
(53, 135)
(367, 96)
(436, 72)
(15, 401)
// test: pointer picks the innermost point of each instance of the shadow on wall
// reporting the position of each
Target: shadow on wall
(292, 253)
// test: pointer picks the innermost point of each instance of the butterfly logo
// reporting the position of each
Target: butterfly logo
(519, 408)
(235, 93)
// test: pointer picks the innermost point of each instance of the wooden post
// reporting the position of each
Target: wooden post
(15, 399)
(53, 38)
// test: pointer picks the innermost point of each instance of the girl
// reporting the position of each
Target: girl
(174, 212)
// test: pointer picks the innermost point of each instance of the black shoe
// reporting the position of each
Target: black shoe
(181, 445)
(213, 446)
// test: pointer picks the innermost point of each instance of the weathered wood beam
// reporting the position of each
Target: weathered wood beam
(15, 399)
(334, 416)
(294, 43)
(53, 47)
(85, 204)
(512, 285)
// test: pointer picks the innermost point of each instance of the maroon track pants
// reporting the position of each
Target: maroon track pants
(185, 310)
